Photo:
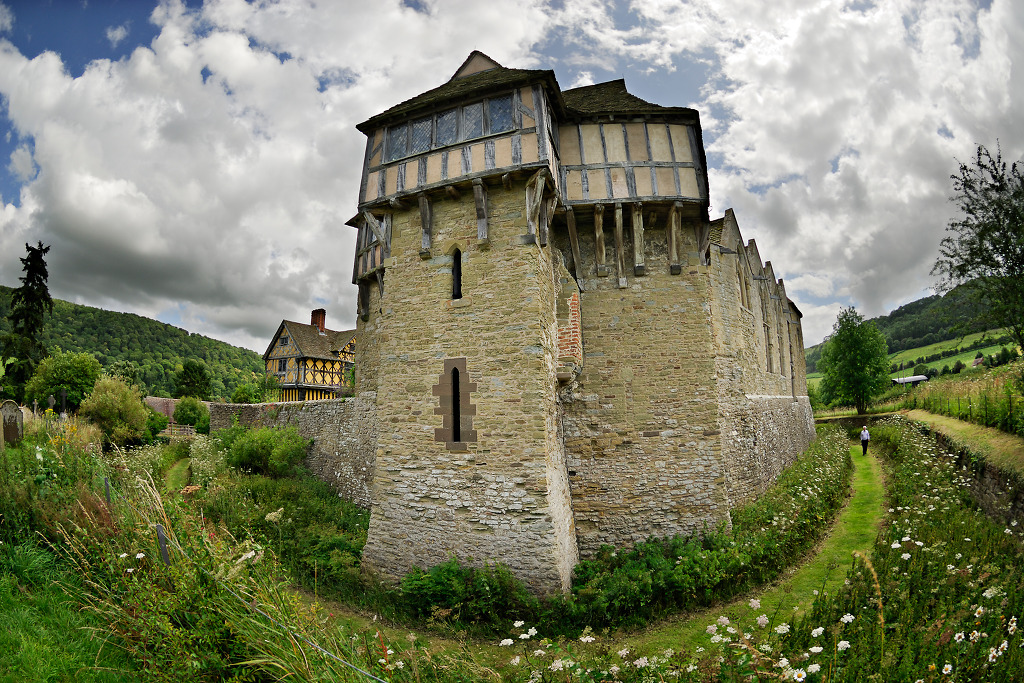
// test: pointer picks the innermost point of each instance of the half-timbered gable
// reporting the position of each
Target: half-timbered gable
(310, 361)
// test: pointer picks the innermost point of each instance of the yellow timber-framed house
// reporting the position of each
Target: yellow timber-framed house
(310, 361)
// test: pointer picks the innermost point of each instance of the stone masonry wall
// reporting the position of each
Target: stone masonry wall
(343, 432)
(505, 497)
(641, 423)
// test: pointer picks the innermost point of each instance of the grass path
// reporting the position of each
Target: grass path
(855, 529)
(177, 476)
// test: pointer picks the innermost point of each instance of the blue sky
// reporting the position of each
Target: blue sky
(195, 162)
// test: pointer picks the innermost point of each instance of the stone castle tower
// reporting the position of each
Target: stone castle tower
(562, 349)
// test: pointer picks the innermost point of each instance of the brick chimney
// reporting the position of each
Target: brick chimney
(319, 318)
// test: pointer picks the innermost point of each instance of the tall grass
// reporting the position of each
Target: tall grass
(990, 399)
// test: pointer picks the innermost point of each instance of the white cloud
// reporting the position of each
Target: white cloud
(6, 18)
(22, 166)
(115, 34)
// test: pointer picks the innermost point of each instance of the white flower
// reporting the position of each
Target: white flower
(556, 665)
(959, 637)
(813, 668)
(846, 618)
(799, 675)
(524, 636)
(711, 629)
(39, 456)
(783, 663)
(539, 653)
(532, 631)
(123, 555)
(613, 669)
(978, 612)
(755, 603)
(623, 652)
(948, 669)
(816, 649)
(782, 629)
(506, 642)
(519, 624)
(843, 645)
(640, 663)
(587, 639)
(817, 632)
(130, 570)
(762, 620)
(723, 621)
(905, 556)
(140, 556)
(895, 544)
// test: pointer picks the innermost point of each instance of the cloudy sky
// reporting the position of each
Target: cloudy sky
(195, 162)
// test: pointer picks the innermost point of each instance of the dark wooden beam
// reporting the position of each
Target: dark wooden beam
(480, 198)
(674, 236)
(602, 265)
(638, 240)
(452, 192)
(620, 266)
(427, 223)
(574, 242)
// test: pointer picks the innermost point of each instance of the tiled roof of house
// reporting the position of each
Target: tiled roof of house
(612, 97)
(310, 342)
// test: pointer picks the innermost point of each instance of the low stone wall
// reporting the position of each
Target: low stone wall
(343, 433)
(998, 492)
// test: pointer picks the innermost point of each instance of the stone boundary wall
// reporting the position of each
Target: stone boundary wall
(783, 428)
(1000, 494)
(343, 432)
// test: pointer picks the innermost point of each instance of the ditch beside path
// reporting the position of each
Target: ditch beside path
(793, 593)
(1005, 451)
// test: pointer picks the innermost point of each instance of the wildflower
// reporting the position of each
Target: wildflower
(532, 631)
(506, 642)
(514, 661)
(762, 620)
(978, 612)
(140, 556)
(123, 555)
(959, 637)
(948, 669)
(613, 669)
(783, 663)
(524, 636)
(816, 649)
(813, 668)
(539, 653)
(623, 652)
(782, 629)
(669, 652)
(723, 620)
(755, 603)
(817, 632)
(846, 618)
(974, 636)
(274, 516)
(518, 624)
(843, 645)
(993, 654)
(640, 663)
(1011, 628)
(556, 665)
(1003, 647)
(587, 639)
(895, 544)
(799, 675)
(711, 629)
(905, 556)
(130, 570)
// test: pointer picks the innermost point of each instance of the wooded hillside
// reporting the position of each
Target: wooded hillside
(159, 349)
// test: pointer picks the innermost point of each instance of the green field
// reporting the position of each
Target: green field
(967, 357)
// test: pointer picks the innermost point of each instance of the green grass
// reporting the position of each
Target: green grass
(44, 634)
(177, 476)
(855, 529)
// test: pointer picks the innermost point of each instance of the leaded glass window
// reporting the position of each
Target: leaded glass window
(396, 142)
(446, 132)
(472, 121)
(421, 136)
(499, 111)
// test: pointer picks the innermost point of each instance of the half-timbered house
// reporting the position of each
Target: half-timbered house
(310, 361)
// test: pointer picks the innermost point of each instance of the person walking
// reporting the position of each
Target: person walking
(864, 438)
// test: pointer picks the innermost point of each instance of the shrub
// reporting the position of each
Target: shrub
(268, 450)
(76, 373)
(155, 423)
(208, 459)
(118, 410)
(193, 412)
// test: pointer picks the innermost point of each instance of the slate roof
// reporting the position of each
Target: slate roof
(612, 97)
(460, 89)
(310, 343)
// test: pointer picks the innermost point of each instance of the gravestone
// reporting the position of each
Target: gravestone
(14, 422)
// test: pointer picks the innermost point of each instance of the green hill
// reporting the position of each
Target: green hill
(926, 322)
(159, 349)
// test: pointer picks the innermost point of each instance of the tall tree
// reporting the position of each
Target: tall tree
(986, 244)
(854, 362)
(30, 303)
(192, 380)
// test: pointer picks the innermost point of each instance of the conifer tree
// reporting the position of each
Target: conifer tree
(30, 303)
